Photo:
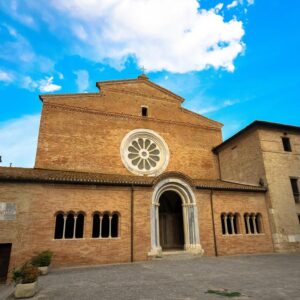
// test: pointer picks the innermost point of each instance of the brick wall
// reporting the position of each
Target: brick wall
(241, 203)
(33, 230)
(86, 134)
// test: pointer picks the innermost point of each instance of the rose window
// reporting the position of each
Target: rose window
(144, 152)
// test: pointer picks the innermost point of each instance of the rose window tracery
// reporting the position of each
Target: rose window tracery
(144, 152)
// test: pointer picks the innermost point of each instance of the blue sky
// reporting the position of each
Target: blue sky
(233, 61)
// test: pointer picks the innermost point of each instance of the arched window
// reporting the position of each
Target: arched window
(96, 225)
(247, 224)
(237, 228)
(105, 226)
(114, 225)
(59, 226)
(69, 233)
(69, 226)
(230, 223)
(259, 224)
(223, 224)
(79, 226)
(253, 223)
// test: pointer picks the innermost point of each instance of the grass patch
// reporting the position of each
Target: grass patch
(224, 293)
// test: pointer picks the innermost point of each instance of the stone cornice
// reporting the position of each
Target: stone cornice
(58, 96)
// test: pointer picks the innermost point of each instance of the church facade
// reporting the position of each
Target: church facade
(127, 174)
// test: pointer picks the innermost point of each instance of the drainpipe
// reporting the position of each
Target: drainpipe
(213, 222)
(131, 223)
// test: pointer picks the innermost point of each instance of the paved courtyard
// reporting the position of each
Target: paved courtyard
(274, 276)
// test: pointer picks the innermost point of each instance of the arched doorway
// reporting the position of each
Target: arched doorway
(171, 221)
(191, 237)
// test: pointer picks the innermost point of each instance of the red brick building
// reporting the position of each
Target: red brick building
(124, 175)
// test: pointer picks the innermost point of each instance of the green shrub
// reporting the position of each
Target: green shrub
(43, 259)
(26, 274)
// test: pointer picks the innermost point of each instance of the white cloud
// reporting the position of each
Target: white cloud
(250, 2)
(12, 7)
(6, 76)
(82, 80)
(60, 75)
(18, 141)
(215, 107)
(28, 83)
(46, 85)
(218, 7)
(177, 36)
(232, 4)
(18, 51)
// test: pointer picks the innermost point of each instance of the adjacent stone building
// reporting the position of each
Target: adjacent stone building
(124, 175)
(269, 153)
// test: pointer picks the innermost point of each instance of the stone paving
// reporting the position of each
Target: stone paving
(273, 276)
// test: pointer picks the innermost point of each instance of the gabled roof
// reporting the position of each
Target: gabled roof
(254, 125)
(29, 175)
(141, 79)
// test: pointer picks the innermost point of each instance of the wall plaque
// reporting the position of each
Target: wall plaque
(7, 211)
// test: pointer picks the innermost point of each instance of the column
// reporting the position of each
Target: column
(110, 217)
(186, 226)
(100, 226)
(196, 226)
(64, 229)
(157, 225)
(248, 224)
(232, 224)
(225, 223)
(191, 223)
(74, 228)
(254, 223)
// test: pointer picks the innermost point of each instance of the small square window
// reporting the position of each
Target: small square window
(286, 144)
(144, 111)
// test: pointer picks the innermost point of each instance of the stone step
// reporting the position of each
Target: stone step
(177, 255)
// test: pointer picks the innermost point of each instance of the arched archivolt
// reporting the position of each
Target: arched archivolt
(59, 212)
(190, 214)
(174, 174)
(97, 212)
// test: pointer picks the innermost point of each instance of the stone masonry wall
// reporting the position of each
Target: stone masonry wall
(241, 160)
(280, 166)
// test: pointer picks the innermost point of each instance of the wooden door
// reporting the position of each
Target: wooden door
(171, 231)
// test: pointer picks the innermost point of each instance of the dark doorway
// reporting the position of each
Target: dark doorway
(171, 221)
(5, 250)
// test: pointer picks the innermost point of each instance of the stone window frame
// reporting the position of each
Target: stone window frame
(253, 223)
(230, 224)
(147, 110)
(75, 228)
(110, 216)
